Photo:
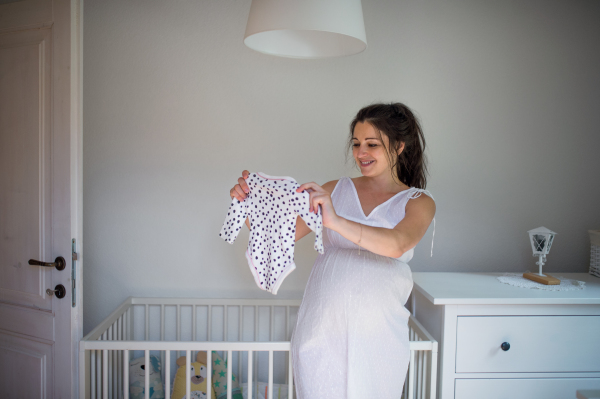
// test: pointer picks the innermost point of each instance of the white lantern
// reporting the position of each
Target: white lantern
(541, 241)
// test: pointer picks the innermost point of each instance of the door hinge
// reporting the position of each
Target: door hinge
(73, 273)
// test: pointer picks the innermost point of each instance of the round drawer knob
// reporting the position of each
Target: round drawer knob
(505, 346)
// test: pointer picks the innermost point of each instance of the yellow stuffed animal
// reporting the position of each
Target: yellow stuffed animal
(197, 379)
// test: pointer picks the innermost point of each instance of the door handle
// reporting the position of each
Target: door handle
(59, 263)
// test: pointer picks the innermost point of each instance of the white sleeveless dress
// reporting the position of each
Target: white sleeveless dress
(351, 337)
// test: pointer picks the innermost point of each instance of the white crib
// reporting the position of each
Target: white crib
(252, 334)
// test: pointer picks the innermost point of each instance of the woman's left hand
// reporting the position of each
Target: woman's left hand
(319, 196)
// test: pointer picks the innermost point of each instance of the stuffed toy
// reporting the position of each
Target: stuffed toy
(198, 389)
(137, 375)
(219, 379)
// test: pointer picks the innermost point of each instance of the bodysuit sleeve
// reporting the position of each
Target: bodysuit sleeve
(236, 217)
(301, 206)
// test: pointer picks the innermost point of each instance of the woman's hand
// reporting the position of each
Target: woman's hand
(241, 189)
(319, 196)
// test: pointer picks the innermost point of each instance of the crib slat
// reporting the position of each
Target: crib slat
(98, 373)
(124, 366)
(147, 374)
(419, 380)
(417, 374)
(271, 322)
(270, 389)
(209, 326)
(111, 356)
(93, 374)
(225, 324)
(229, 374)
(240, 355)
(249, 378)
(209, 371)
(432, 371)
(178, 323)
(287, 354)
(110, 364)
(162, 322)
(105, 374)
(287, 324)
(256, 321)
(126, 325)
(178, 329)
(147, 321)
(119, 362)
(162, 338)
(240, 321)
(130, 324)
(167, 364)
(411, 375)
(194, 326)
(290, 376)
(115, 364)
(422, 370)
(194, 311)
(188, 366)
(126, 374)
(425, 375)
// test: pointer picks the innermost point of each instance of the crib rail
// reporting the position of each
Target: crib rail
(140, 326)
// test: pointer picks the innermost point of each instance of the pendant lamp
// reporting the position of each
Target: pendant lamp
(306, 28)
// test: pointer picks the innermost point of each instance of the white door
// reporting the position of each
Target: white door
(40, 196)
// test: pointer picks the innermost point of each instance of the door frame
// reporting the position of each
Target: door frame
(68, 83)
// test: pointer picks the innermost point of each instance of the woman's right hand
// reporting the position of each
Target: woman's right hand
(240, 190)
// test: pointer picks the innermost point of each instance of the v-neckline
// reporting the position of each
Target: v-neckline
(374, 209)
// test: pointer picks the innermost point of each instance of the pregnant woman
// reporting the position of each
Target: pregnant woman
(351, 337)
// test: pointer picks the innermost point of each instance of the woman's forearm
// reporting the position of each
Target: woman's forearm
(379, 240)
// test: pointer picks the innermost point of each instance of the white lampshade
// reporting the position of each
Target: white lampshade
(306, 28)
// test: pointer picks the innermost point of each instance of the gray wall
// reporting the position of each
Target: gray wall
(175, 107)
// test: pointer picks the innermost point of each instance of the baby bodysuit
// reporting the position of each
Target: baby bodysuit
(272, 206)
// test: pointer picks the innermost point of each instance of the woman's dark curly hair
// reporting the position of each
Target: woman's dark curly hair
(400, 125)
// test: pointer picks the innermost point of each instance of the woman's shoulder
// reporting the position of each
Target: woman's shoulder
(420, 201)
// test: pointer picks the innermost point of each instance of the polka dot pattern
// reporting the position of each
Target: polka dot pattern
(272, 205)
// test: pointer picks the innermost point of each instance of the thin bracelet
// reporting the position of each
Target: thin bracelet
(360, 238)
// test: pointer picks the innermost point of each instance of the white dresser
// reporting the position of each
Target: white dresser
(551, 339)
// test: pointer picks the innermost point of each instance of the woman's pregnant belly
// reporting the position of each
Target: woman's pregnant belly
(344, 279)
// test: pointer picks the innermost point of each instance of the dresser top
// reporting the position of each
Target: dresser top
(485, 289)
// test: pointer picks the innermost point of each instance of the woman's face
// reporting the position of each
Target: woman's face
(369, 151)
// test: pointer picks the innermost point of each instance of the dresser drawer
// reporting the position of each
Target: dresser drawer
(537, 344)
(559, 388)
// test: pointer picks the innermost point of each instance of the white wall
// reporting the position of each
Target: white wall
(175, 107)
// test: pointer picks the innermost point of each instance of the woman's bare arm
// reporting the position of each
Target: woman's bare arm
(392, 242)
